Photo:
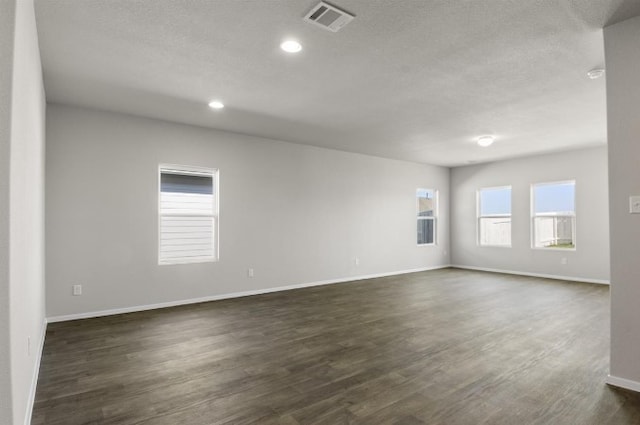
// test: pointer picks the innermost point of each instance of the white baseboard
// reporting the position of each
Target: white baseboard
(133, 309)
(36, 371)
(546, 276)
(623, 383)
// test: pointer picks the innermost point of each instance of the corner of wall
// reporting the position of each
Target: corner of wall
(622, 54)
(7, 33)
(26, 214)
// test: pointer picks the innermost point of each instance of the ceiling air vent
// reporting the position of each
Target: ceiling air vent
(328, 17)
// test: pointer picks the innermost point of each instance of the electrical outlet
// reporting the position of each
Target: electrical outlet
(356, 261)
(563, 260)
(634, 204)
(77, 290)
(250, 272)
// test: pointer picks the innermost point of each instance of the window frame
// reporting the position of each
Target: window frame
(214, 173)
(532, 221)
(479, 216)
(434, 217)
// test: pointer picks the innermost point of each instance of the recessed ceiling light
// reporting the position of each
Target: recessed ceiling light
(216, 104)
(291, 46)
(595, 73)
(485, 141)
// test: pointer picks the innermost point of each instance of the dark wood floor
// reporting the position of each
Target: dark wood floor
(442, 347)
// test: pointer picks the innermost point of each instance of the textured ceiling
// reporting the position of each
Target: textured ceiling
(414, 80)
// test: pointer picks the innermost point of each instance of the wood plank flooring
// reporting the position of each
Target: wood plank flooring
(447, 347)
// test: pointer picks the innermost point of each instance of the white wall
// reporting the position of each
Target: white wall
(622, 52)
(588, 167)
(7, 25)
(296, 214)
(26, 211)
(21, 210)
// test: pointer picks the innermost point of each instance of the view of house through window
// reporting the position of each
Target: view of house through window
(188, 215)
(426, 204)
(554, 215)
(494, 216)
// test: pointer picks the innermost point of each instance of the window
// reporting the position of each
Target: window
(427, 211)
(494, 216)
(188, 215)
(554, 215)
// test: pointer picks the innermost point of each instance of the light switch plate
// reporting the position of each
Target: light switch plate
(634, 204)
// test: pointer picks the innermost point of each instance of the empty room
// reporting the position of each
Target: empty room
(302, 212)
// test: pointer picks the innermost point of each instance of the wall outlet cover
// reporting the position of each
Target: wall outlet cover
(634, 204)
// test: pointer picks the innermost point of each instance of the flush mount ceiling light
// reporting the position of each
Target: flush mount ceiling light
(291, 46)
(595, 73)
(485, 141)
(216, 104)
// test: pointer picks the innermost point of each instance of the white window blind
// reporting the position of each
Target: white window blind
(188, 215)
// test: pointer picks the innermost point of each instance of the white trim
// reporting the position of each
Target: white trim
(36, 371)
(188, 260)
(495, 246)
(543, 275)
(623, 383)
(543, 248)
(426, 244)
(196, 170)
(133, 309)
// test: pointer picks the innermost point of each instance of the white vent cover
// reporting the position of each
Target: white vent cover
(328, 17)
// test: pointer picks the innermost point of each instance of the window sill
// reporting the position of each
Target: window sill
(539, 248)
(494, 246)
(189, 261)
